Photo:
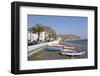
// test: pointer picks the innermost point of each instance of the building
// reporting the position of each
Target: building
(34, 36)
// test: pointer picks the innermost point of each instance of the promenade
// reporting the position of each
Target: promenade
(35, 48)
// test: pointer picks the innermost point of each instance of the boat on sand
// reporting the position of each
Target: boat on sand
(68, 52)
(65, 50)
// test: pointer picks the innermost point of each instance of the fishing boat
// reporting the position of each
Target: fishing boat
(68, 47)
(68, 52)
(54, 47)
(59, 47)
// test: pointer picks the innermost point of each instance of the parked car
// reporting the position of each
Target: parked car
(33, 42)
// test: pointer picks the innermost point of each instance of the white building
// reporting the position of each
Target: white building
(33, 36)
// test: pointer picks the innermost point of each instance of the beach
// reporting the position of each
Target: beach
(44, 54)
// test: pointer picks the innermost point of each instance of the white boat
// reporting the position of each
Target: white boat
(72, 52)
(64, 50)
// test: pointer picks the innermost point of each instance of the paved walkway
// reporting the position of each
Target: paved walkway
(35, 48)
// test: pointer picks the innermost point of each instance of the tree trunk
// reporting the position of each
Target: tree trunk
(38, 37)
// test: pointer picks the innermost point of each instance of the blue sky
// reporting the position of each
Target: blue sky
(62, 24)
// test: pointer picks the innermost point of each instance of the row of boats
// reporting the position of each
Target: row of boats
(65, 50)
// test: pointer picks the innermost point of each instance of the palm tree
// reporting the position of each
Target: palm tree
(50, 36)
(51, 33)
(38, 28)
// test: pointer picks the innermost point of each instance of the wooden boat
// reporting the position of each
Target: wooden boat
(68, 47)
(72, 52)
(59, 47)
(64, 50)
(54, 48)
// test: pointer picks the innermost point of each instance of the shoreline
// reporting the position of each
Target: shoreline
(42, 54)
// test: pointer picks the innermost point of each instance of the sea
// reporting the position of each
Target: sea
(83, 44)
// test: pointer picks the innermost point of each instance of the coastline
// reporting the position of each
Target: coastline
(52, 55)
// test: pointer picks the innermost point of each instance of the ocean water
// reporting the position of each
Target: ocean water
(78, 42)
(83, 44)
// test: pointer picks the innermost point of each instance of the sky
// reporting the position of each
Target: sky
(62, 24)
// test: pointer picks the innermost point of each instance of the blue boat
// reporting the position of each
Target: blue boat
(52, 49)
